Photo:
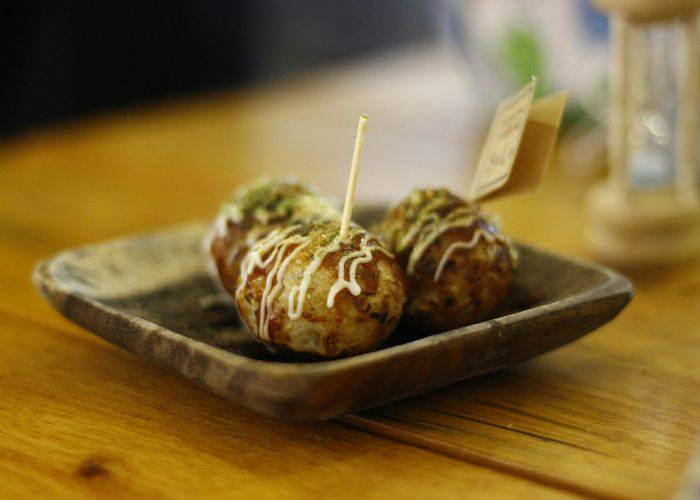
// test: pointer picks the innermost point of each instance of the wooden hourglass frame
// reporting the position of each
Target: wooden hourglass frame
(629, 226)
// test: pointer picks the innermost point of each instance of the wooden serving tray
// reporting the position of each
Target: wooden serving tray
(152, 295)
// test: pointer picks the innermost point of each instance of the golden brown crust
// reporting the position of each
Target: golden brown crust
(354, 324)
(473, 282)
(464, 271)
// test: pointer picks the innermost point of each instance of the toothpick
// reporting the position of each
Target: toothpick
(352, 181)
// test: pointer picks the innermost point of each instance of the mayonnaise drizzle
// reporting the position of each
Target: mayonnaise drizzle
(362, 256)
(478, 234)
(269, 254)
(304, 203)
(252, 236)
(430, 226)
(298, 293)
(254, 257)
(276, 274)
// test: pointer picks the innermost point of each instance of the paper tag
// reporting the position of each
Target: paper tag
(519, 144)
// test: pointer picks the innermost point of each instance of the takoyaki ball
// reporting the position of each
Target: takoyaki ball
(458, 263)
(303, 290)
(252, 212)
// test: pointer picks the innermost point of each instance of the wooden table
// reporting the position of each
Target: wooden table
(613, 415)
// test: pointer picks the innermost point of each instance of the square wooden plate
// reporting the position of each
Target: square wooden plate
(152, 295)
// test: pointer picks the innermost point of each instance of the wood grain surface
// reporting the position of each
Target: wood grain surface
(612, 415)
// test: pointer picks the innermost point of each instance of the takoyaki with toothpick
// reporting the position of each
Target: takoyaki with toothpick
(321, 288)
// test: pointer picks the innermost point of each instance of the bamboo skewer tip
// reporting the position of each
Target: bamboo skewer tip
(352, 180)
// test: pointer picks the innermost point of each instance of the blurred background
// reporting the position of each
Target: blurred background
(428, 70)
(66, 59)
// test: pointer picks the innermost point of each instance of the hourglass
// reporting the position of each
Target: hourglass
(647, 211)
